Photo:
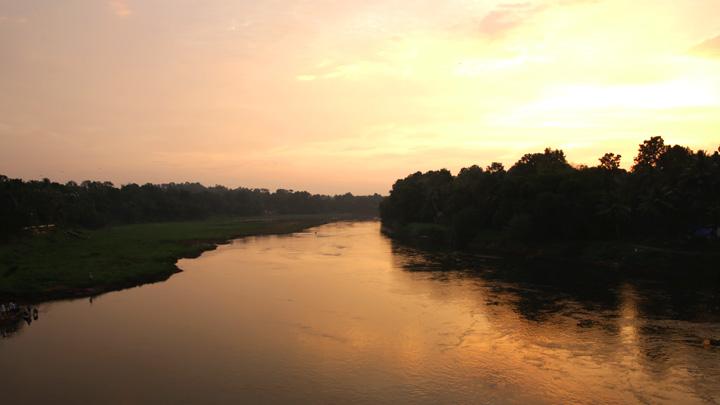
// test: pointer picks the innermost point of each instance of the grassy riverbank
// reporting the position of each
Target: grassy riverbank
(67, 263)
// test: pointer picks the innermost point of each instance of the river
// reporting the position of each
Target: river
(341, 314)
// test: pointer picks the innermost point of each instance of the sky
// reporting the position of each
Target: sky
(337, 96)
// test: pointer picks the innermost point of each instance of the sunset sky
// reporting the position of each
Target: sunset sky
(335, 96)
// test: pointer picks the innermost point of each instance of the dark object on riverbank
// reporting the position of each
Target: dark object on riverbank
(13, 313)
(13, 317)
(711, 342)
(9, 312)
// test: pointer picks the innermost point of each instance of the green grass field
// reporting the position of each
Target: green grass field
(82, 263)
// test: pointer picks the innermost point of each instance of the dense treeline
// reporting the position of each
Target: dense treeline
(93, 204)
(670, 192)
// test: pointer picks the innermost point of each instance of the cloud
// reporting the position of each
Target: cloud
(351, 71)
(710, 47)
(576, 2)
(120, 7)
(12, 20)
(508, 16)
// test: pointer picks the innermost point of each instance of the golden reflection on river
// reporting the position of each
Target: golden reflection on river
(341, 314)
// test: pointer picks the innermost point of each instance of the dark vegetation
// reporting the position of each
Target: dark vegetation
(94, 204)
(670, 199)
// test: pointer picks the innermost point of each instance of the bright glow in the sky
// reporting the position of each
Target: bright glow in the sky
(334, 96)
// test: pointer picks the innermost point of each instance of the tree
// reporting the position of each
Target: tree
(550, 161)
(610, 161)
(650, 153)
(495, 167)
(675, 159)
(95, 204)
(671, 191)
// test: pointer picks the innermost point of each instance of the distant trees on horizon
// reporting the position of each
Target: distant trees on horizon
(668, 192)
(93, 204)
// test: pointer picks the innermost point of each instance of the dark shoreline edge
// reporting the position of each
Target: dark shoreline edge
(195, 248)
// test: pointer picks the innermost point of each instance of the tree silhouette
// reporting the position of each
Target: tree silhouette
(94, 204)
(550, 161)
(495, 167)
(670, 191)
(610, 161)
(649, 153)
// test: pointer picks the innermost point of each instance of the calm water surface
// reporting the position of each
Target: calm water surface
(340, 314)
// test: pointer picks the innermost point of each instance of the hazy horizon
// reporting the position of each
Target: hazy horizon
(335, 97)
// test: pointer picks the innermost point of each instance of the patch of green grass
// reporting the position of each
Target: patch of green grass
(67, 263)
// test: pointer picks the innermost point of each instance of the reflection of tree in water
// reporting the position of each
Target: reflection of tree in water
(539, 288)
(656, 326)
(535, 293)
(679, 299)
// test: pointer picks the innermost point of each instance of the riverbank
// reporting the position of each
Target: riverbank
(646, 259)
(69, 263)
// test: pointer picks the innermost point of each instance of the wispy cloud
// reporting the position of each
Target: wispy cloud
(508, 16)
(576, 2)
(12, 20)
(351, 71)
(121, 8)
(710, 47)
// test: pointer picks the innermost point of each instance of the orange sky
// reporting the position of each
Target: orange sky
(335, 96)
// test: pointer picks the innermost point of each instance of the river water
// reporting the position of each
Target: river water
(341, 314)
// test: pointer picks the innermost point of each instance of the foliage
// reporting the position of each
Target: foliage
(669, 192)
(610, 161)
(93, 204)
(650, 153)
